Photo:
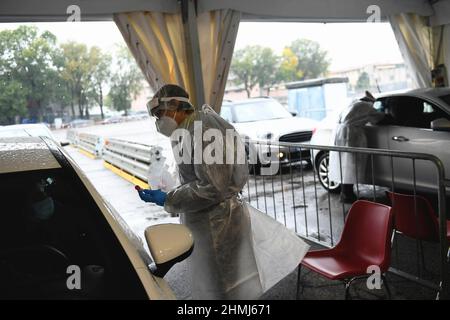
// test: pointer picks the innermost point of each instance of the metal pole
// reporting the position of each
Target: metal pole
(189, 14)
(416, 218)
(292, 190)
(282, 191)
(317, 207)
(373, 180)
(304, 194)
(445, 290)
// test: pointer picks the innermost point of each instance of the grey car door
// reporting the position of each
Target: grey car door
(377, 138)
(411, 132)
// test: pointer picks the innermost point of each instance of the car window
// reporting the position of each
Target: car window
(225, 113)
(260, 110)
(51, 230)
(446, 99)
(409, 112)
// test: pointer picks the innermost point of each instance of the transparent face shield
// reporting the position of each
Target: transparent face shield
(157, 105)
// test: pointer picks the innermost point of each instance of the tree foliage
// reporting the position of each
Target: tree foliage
(312, 60)
(255, 65)
(27, 71)
(39, 78)
(127, 81)
(303, 59)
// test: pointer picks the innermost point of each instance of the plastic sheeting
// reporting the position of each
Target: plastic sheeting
(423, 47)
(278, 250)
(162, 171)
(157, 41)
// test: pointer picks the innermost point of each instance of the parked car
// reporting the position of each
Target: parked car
(59, 239)
(266, 119)
(80, 123)
(421, 125)
(32, 130)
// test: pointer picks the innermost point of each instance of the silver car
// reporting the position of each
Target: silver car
(416, 121)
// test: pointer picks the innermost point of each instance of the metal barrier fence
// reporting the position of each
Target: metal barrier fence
(72, 136)
(131, 157)
(90, 143)
(292, 196)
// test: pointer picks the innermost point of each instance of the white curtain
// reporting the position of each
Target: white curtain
(414, 38)
(158, 43)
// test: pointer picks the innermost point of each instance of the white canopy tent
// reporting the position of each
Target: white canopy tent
(191, 42)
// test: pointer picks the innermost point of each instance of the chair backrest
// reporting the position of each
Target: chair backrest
(367, 233)
(414, 216)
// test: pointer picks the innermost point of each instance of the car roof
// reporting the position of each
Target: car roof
(17, 130)
(246, 101)
(25, 126)
(25, 154)
(421, 93)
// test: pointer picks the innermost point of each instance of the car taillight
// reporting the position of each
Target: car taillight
(314, 130)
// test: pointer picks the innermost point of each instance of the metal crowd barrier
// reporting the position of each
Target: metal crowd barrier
(131, 157)
(72, 136)
(293, 196)
(91, 143)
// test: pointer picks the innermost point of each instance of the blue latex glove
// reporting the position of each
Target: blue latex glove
(155, 196)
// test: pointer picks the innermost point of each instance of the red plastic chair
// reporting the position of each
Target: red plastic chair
(415, 217)
(365, 241)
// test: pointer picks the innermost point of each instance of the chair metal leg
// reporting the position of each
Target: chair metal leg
(386, 286)
(347, 288)
(299, 272)
(422, 255)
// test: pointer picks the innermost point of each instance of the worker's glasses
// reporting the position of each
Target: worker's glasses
(152, 105)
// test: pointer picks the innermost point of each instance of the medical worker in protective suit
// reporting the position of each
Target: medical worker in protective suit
(223, 263)
(347, 168)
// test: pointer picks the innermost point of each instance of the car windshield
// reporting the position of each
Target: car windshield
(260, 110)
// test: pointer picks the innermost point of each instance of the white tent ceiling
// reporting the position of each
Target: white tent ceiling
(411, 21)
(252, 10)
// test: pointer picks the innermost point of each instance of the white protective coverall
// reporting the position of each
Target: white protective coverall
(238, 252)
(349, 132)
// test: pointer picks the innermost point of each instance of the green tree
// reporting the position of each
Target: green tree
(127, 81)
(27, 59)
(312, 61)
(75, 71)
(100, 72)
(363, 82)
(12, 101)
(289, 66)
(255, 65)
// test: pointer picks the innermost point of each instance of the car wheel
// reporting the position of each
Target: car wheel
(322, 169)
(308, 165)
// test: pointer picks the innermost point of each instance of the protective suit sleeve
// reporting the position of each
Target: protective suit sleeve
(209, 190)
(214, 182)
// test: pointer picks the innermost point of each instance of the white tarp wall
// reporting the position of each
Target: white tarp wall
(423, 46)
(169, 51)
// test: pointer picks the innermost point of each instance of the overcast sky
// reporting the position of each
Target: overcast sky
(349, 44)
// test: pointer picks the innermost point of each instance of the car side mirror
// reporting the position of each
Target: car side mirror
(64, 143)
(440, 124)
(294, 113)
(168, 244)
